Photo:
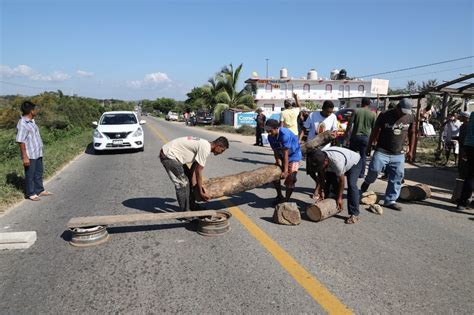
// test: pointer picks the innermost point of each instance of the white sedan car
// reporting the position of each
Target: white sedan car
(118, 130)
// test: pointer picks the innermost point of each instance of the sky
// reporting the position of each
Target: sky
(137, 49)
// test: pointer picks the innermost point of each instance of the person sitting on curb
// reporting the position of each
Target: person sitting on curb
(329, 167)
(392, 128)
(287, 152)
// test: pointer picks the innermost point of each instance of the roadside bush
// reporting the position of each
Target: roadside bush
(246, 130)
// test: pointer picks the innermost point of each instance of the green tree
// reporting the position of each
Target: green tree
(229, 96)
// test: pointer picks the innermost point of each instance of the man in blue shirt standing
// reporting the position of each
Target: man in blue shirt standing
(287, 151)
(31, 148)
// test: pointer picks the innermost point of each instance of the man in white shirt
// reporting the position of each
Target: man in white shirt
(451, 137)
(189, 150)
(320, 121)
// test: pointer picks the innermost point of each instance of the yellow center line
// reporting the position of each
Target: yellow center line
(315, 289)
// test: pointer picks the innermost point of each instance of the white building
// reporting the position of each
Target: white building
(270, 93)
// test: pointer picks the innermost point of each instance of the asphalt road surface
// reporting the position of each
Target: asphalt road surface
(419, 260)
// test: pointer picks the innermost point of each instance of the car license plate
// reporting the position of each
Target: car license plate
(117, 142)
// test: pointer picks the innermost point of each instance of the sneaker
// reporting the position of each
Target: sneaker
(393, 206)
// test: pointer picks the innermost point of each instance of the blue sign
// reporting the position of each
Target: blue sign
(248, 119)
(245, 119)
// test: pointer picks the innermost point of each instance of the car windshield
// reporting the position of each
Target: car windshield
(118, 119)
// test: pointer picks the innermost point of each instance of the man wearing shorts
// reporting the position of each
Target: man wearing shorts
(287, 151)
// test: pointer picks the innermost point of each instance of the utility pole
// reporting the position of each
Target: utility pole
(267, 66)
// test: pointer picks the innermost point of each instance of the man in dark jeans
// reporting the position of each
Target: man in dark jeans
(358, 131)
(468, 156)
(259, 128)
(31, 147)
(329, 168)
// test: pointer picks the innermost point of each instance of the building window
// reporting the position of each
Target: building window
(290, 88)
(268, 87)
(341, 88)
(361, 88)
(329, 88)
(306, 87)
(269, 107)
(283, 86)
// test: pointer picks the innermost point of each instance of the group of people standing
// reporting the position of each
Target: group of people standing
(331, 166)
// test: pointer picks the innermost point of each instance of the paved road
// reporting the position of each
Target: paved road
(415, 261)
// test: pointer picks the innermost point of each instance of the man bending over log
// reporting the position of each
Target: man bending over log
(287, 152)
(329, 168)
(176, 154)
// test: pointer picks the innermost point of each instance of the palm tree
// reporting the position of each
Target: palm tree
(228, 96)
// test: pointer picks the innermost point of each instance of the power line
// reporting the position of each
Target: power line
(27, 86)
(416, 67)
(425, 73)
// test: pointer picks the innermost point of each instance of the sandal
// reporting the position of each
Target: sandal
(45, 193)
(34, 198)
(352, 219)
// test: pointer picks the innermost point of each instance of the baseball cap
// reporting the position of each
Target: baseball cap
(405, 105)
(465, 114)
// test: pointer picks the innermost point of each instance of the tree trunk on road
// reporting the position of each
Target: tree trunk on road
(234, 184)
(320, 140)
(322, 210)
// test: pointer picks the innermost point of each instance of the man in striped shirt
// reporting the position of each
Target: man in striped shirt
(31, 148)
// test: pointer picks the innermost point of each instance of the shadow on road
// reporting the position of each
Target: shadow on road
(246, 160)
(152, 204)
(156, 227)
(257, 153)
(90, 150)
(432, 176)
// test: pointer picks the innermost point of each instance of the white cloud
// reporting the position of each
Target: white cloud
(151, 80)
(24, 71)
(19, 71)
(85, 74)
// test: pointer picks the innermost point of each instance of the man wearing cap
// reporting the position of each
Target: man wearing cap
(259, 128)
(329, 168)
(392, 128)
(287, 152)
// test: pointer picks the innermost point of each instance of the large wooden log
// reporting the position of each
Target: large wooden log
(287, 213)
(234, 184)
(415, 193)
(322, 210)
(320, 140)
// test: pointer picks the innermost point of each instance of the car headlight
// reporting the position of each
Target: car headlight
(97, 134)
(138, 133)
